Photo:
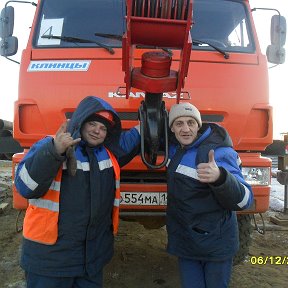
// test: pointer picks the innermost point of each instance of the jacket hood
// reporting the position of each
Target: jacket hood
(210, 136)
(217, 137)
(91, 105)
(220, 135)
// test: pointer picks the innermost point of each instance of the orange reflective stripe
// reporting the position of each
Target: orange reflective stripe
(52, 196)
(40, 225)
(59, 175)
(116, 208)
(54, 189)
(41, 218)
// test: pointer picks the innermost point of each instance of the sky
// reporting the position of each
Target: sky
(277, 76)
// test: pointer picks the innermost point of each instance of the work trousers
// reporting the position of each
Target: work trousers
(39, 281)
(204, 274)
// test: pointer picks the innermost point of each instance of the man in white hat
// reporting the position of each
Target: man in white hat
(205, 188)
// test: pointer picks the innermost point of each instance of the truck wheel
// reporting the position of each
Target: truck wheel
(152, 222)
(245, 231)
(8, 156)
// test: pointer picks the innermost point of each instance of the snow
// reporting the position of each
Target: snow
(277, 196)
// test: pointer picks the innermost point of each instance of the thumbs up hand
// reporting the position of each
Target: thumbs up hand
(208, 172)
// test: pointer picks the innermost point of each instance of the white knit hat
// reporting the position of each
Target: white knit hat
(184, 109)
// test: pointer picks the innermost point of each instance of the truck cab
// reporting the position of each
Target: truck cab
(75, 50)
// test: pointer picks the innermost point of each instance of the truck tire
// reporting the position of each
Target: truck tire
(245, 230)
(8, 156)
(153, 223)
(148, 222)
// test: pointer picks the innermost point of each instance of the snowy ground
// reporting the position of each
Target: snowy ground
(277, 196)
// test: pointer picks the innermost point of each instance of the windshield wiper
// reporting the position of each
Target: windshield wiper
(110, 36)
(78, 40)
(119, 38)
(226, 55)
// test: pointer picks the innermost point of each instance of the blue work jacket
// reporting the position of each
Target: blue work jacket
(85, 237)
(201, 218)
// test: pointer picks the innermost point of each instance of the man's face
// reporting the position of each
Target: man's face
(94, 133)
(185, 130)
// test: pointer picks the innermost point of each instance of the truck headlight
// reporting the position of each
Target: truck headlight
(259, 176)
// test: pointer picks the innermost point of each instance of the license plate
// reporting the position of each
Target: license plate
(144, 198)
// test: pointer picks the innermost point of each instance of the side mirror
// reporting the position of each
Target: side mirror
(7, 22)
(278, 30)
(8, 46)
(275, 54)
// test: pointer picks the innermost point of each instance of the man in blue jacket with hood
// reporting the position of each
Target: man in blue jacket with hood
(70, 181)
(205, 188)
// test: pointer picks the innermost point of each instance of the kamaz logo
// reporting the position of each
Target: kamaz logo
(58, 66)
(171, 95)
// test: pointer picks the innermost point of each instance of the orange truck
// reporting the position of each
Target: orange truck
(76, 49)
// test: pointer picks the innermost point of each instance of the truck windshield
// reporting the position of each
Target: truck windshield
(220, 23)
(82, 19)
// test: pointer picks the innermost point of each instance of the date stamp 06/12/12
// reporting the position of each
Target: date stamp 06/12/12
(272, 260)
